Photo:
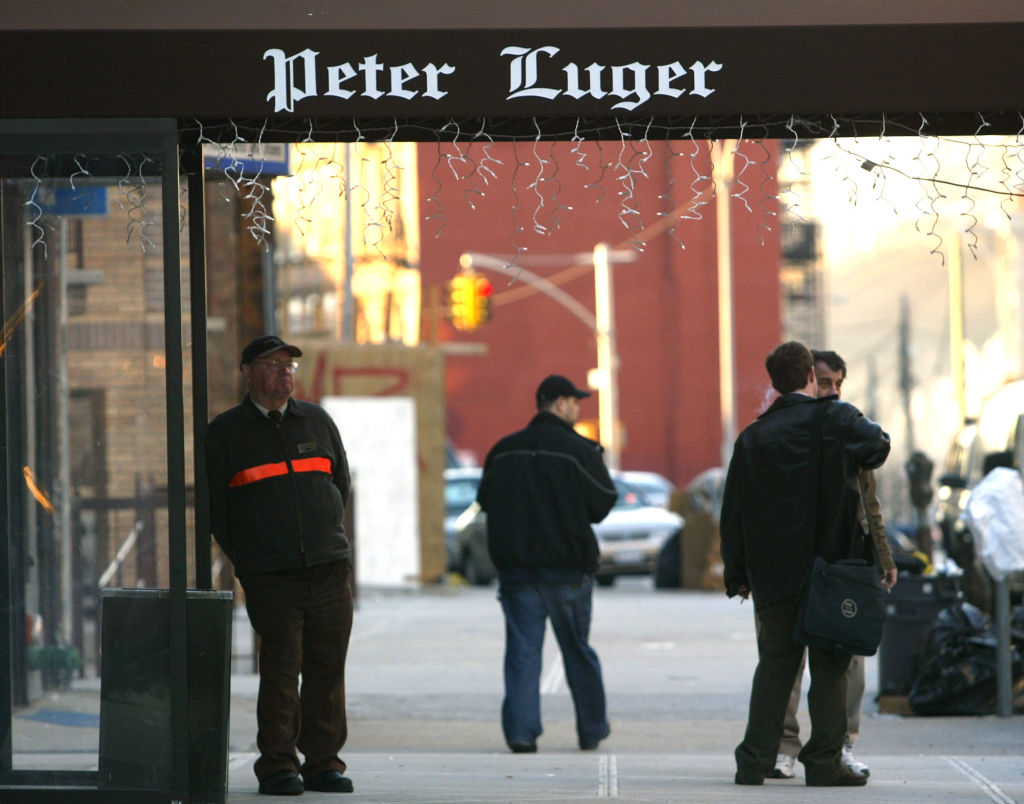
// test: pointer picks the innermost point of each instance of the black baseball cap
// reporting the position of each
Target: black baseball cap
(264, 345)
(554, 386)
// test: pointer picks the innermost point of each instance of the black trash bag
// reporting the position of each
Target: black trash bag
(911, 563)
(957, 668)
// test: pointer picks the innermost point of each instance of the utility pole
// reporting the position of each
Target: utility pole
(906, 375)
(956, 328)
(918, 466)
(726, 356)
(347, 329)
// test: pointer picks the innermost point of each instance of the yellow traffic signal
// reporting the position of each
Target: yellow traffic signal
(482, 299)
(461, 293)
(469, 299)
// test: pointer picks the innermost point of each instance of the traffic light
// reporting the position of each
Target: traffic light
(469, 298)
(461, 294)
(482, 299)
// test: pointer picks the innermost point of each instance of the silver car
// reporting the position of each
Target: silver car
(629, 538)
(460, 485)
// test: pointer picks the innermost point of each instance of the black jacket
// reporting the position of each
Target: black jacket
(775, 517)
(541, 489)
(277, 494)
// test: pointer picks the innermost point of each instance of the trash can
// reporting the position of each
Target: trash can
(136, 750)
(910, 610)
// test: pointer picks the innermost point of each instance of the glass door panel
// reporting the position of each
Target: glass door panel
(84, 417)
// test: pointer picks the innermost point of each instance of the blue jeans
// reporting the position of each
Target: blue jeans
(527, 605)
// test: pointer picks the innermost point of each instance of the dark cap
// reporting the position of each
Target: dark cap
(556, 385)
(264, 345)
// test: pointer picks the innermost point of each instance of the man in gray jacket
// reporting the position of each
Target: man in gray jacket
(791, 494)
(542, 487)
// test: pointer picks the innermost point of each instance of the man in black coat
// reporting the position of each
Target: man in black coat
(542, 487)
(279, 483)
(781, 508)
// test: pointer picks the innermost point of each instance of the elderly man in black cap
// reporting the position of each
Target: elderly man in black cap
(542, 487)
(279, 482)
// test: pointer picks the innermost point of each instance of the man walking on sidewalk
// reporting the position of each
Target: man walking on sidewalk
(790, 495)
(542, 487)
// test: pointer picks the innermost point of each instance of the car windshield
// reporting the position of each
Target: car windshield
(459, 494)
(629, 496)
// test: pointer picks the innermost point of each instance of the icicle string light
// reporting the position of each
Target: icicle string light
(983, 166)
(538, 227)
(132, 201)
(434, 200)
(36, 209)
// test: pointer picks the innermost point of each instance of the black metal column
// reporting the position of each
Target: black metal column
(175, 466)
(192, 164)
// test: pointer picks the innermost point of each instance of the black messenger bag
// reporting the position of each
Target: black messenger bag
(842, 608)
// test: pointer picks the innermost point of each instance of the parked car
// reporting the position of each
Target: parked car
(629, 538)
(632, 535)
(691, 558)
(960, 472)
(994, 440)
(656, 488)
(460, 485)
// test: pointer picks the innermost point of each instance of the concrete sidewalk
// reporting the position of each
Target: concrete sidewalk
(644, 777)
(424, 689)
(424, 684)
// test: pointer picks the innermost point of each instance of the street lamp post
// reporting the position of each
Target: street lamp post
(607, 373)
(726, 359)
(605, 377)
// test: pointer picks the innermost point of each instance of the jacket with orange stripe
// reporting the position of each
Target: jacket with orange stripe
(277, 494)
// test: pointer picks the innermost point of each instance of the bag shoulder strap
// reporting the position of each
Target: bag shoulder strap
(856, 543)
(816, 425)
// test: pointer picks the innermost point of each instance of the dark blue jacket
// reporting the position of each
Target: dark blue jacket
(541, 489)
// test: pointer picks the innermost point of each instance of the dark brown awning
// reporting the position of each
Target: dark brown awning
(769, 69)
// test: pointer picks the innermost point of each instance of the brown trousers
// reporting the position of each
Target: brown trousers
(303, 618)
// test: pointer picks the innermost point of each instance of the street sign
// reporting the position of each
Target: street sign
(72, 201)
(248, 158)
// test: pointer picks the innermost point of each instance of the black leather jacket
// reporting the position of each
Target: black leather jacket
(541, 488)
(277, 494)
(780, 510)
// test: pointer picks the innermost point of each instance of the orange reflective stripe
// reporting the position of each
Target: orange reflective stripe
(256, 473)
(312, 465)
(247, 476)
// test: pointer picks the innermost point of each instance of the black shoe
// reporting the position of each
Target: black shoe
(523, 748)
(592, 745)
(747, 778)
(329, 781)
(846, 778)
(281, 783)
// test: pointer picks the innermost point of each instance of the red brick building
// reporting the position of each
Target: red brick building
(542, 205)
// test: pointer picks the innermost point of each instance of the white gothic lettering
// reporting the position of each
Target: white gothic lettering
(300, 76)
(626, 81)
(295, 78)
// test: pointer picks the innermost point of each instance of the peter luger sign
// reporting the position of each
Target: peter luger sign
(533, 72)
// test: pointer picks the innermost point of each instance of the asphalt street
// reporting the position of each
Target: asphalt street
(424, 691)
